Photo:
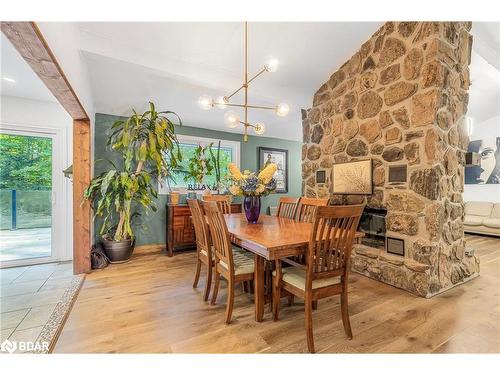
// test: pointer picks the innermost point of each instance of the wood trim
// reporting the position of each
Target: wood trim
(81, 209)
(149, 249)
(29, 42)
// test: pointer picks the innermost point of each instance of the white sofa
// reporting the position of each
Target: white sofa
(482, 218)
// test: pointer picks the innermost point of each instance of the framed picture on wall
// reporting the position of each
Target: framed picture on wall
(354, 177)
(280, 158)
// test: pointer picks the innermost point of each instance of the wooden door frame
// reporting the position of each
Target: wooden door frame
(29, 42)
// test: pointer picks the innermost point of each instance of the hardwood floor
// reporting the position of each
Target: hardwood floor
(148, 306)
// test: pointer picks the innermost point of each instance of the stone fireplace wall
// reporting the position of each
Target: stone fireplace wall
(400, 100)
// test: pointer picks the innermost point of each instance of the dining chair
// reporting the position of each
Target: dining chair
(204, 253)
(233, 264)
(306, 211)
(306, 208)
(287, 207)
(223, 201)
(327, 265)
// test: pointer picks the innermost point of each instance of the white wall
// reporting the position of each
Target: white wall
(64, 41)
(20, 113)
(484, 192)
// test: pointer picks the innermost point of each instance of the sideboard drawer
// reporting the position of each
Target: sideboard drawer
(180, 229)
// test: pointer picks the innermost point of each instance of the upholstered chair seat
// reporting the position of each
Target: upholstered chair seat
(243, 262)
(297, 277)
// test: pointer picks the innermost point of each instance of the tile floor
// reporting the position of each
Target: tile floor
(28, 295)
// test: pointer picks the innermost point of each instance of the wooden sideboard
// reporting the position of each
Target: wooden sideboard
(180, 230)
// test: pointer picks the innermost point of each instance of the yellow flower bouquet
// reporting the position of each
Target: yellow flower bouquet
(251, 183)
(252, 186)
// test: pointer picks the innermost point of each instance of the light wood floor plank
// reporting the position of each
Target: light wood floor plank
(149, 306)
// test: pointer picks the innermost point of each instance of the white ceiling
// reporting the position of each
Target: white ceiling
(487, 41)
(484, 92)
(172, 64)
(27, 84)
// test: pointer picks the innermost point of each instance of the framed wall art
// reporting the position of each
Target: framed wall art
(280, 158)
(354, 177)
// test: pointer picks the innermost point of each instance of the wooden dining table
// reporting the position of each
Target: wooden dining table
(269, 239)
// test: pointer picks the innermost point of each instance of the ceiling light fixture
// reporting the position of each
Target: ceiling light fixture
(8, 79)
(231, 118)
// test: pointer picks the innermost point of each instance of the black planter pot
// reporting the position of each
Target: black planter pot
(118, 251)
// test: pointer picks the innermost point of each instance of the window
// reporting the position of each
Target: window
(230, 153)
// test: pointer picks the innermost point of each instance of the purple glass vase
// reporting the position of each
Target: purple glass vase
(251, 205)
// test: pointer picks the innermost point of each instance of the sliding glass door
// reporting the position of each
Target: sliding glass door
(27, 197)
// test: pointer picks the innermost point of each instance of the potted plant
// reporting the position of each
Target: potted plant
(252, 186)
(199, 165)
(149, 151)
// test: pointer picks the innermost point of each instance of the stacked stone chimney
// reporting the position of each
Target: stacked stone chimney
(401, 100)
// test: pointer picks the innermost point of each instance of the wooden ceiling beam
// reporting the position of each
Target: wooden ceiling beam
(28, 40)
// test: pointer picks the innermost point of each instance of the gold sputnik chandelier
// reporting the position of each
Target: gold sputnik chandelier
(232, 118)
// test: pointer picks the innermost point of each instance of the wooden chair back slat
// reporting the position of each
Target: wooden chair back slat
(306, 208)
(331, 240)
(223, 201)
(201, 231)
(287, 207)
(220, 235)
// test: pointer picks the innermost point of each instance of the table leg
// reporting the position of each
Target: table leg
(259, 288)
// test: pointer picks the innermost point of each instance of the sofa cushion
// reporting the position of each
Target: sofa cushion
(478, 208)
(473, 220)
(492, 222)
(496, 210)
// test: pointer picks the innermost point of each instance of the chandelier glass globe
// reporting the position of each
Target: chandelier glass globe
(282, 109)
(221, 102)
(272, 65)
(259, 128)
(206, 102)
(231, 119)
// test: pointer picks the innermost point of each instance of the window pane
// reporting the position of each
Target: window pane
(25, 197)
(188, 151)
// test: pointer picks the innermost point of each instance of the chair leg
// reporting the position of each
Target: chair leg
(276, 299)
(291, 298)
(216, 288)
(230, 301)
(315, 305)
(209, 282)
(197, 274)
(345, 314)
(309, 326)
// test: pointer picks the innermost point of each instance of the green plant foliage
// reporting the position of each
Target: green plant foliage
(143, 140)
(220, 158)
(199, 164)
(25, 162)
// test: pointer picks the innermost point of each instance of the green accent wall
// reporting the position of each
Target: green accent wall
(151, 229)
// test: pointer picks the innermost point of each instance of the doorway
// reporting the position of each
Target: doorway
(31, 190)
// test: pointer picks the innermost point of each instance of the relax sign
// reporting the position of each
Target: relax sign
(197, 187)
